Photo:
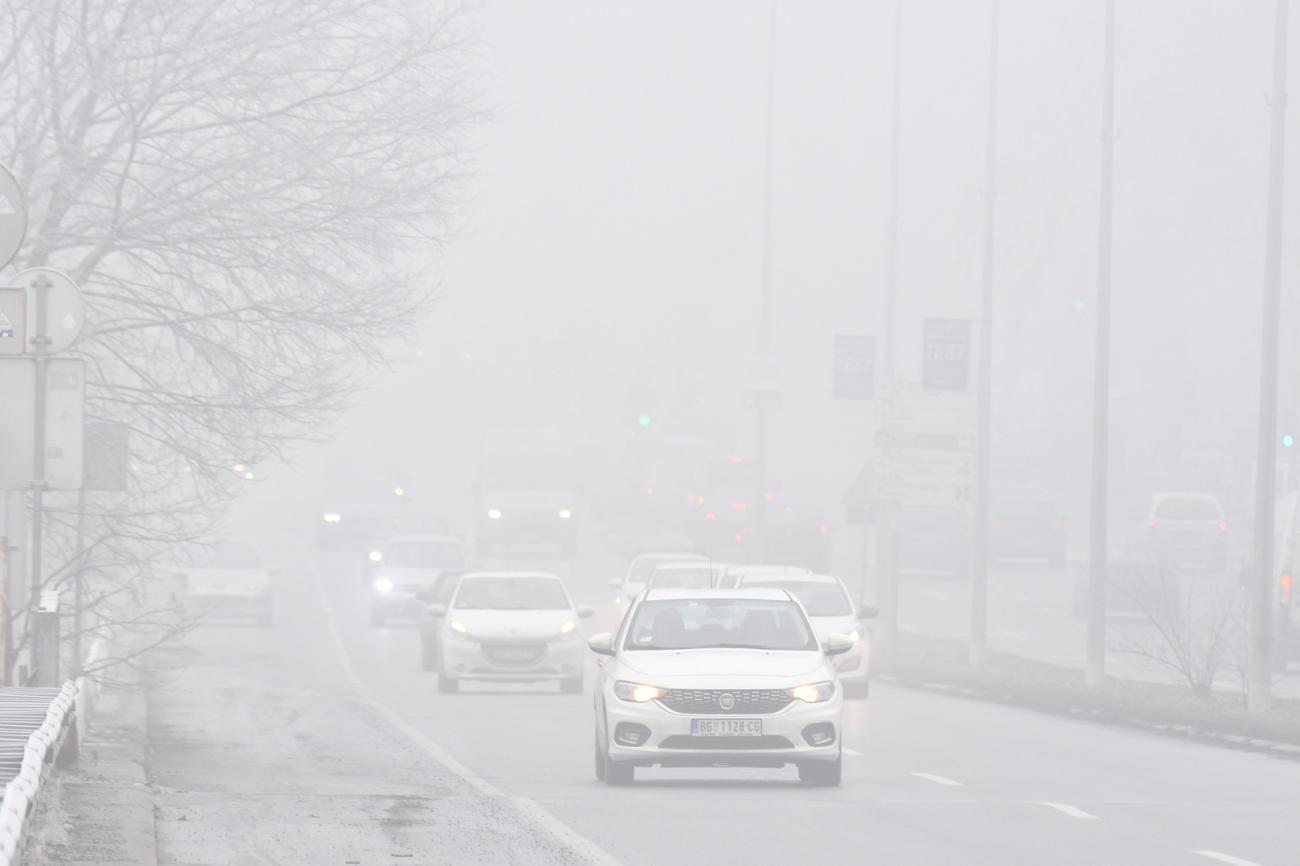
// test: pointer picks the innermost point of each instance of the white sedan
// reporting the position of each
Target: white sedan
(518, 627)
(718, 677)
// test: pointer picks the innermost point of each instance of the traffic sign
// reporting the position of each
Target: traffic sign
(64, 308)
(64, 422)
(13, 321)
(855, 366)
(13, 217)
(946, 358)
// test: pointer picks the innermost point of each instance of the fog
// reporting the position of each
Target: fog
(484, 402)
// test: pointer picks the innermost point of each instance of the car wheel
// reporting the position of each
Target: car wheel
(571, 686)
(822, 774)
(619, 772)
(448, 685)
(857, 690)
(428, 653)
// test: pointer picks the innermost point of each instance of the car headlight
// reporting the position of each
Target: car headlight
(383, 584)
(457, 629)
(332, 517)
(855, 635)
(568, 628)
(564, 513)
(636, 692)
(376, 556)
(813, 693)
(494, 514)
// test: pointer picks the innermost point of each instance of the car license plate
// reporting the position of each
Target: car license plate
(514, 654)
(727, 727)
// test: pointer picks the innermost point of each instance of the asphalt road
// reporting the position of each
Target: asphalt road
(320, 741)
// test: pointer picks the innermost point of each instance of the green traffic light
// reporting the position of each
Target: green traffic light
(1288, 440)
(643, 420)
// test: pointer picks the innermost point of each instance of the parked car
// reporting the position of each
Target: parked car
(713, 677)
(510, 627)
(227, 580)
(1188, 528)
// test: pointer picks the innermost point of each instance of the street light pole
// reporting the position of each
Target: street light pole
(891, 248)
(41, 286)
(979, 625)
(1095, 665)
(1261, 596)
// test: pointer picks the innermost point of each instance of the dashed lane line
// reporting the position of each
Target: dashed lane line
(1067, 809)
(528, 809)
(938, 780)
(1225, 858)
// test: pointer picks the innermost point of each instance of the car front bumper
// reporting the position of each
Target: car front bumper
(513, 661)
(670, 742)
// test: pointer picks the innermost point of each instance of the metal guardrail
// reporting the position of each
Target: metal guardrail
(37, 726)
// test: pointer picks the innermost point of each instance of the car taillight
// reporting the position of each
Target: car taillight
(1060, 523)
(739, 536)
(1284, 583)
(739, 506)
(1223, 526)
(823, 529)
(1151, 524)
(710, 516)
(994, 523)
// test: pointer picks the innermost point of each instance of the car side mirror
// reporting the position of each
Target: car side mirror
(601, 644)
(837, 644)
(586, 611)
(437, 611)
(868, 611)
(616, 583)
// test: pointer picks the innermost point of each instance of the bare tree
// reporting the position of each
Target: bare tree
(251, 194)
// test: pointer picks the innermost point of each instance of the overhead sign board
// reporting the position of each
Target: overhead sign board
(925, 446)
(13, 321)
(855, 363)
(13, 217)
(946, 354)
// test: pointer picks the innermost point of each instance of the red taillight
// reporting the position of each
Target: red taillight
(994, 523)
(823, 529)
(739, 506)
(690, 497)
(1223, 526)
(1284, 582)
(738, 459)
(770, 496)
(649, 491)
(739, 536)
(1060, 523)
(1151, 524)
(710, 516)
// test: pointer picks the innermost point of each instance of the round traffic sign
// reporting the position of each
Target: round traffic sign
(13, 217)
(64, 308)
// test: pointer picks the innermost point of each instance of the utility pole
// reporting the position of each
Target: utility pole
(891, 247)
(765, 315)
(1261, 596)
(40, 341)
(979, 614)
(1095, 667)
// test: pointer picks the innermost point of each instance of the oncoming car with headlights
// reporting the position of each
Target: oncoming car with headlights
(718, 677)
(515, 627)
(404, 571)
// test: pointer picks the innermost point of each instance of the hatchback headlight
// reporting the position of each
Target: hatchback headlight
(814, 693)
(494, 513)
(457, 630)
(568, 628)
(383, 584)
(636, 692)
(564, 513)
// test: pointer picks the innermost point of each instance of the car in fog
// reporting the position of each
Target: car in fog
(634, 580)
(514, 627)
(830, 609)
(227, 580)
(690, 574)
(712, 677)
(731, 575)
(444, 587)
(527, 492)
(404, 570)
(1027, 527)
(1188, 528)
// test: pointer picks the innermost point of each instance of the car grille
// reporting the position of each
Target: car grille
(720, 744)
(514, 654)
(709, 701)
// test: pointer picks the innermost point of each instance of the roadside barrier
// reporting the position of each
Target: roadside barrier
(38, 728)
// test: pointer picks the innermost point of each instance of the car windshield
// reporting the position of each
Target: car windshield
(1187, 508)
(692, 577)
(644, 566)
(424, 554)
(511, 593)
(817, 598)
(709, 623)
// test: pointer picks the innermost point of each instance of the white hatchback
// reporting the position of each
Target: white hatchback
(718, 677)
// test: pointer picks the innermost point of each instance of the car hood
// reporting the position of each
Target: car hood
(724, 668)
(227, 581)
(407, 576)
(512, 624)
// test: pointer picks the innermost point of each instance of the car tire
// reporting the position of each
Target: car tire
(448, 685)
(428, 654)
(571, 686)
(822, 774)
(857, 691)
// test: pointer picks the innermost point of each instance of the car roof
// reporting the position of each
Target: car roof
(1183, 494)
(686, 564)
(793, 577)
(423, 536)
(684, 555)
(546, 574)
(767, 569)
(753, 593)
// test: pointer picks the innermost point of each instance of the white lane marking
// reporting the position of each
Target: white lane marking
(938, 780)
(852, 753)
(528, 809)
(1225, 858)
(1066, 809)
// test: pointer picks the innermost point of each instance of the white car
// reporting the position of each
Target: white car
(633, 583)
(714, 677)
(689, 574)
(518, 627)
(403, 573)
(227, 580)
(830, 609)
(732, 575)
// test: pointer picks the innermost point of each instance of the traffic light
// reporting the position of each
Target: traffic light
(643, 420)
(1287, 440)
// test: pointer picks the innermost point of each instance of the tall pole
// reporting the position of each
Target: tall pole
(979, 614)
(1095, 667)
(40, 340)
(1260, 665)
(891, 247)
(765, 308)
